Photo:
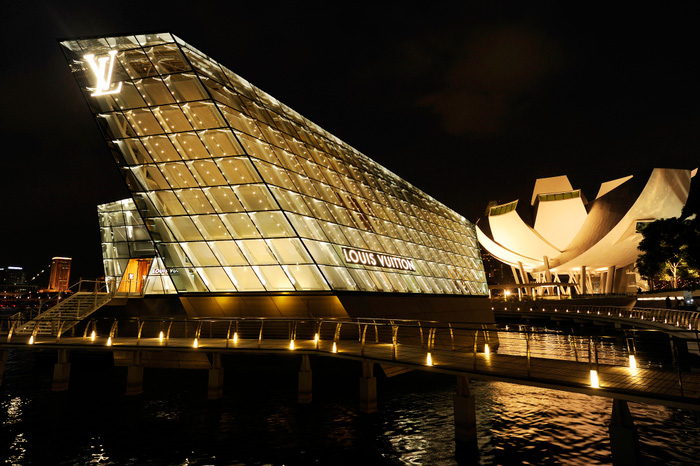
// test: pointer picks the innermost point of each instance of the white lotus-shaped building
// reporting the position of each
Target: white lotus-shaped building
(574, 244)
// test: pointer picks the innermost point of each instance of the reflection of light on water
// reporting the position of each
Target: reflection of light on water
(13, 408)
(17, 450)
(98, 457)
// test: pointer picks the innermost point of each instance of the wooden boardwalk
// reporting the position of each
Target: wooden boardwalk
(668, 387)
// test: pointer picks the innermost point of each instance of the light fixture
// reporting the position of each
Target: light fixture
(487, 350)
(196, 343)
(109, 341)
(595, 383)
(93, 335)
(633, 362)
(235, 337)
(335, 348)
(160, 337)
(429, 360)
(291, 344)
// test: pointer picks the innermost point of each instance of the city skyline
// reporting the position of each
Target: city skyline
(520, 94)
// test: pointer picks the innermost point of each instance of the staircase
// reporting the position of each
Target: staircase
(65, 315)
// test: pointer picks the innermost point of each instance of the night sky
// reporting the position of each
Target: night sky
(470, 103)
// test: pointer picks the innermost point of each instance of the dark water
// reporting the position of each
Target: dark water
(259, 422)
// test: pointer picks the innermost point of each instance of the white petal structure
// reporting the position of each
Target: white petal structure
(591, 246)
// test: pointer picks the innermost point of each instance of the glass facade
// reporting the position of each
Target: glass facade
(130, 260)
(239, 192)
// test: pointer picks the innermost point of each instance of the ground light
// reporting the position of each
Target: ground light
(31, 340)
(594, 379)
(487, 350)
(93, 335)
(160, 337)
(109, 341)
(633, 362)
(291, 344)
(235, 337)
(196, 343)
(429, 360)
(335, 348)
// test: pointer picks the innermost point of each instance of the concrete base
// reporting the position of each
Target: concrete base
(368, 389)
(3, 364)
(61, 372)
(624, 441)
(215, 390)
(134, 375)
(305, 381)
(466, 446)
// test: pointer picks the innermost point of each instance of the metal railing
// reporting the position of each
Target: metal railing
(688, 320)
(515, 352)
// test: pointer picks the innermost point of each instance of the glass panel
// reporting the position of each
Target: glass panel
(211, 227)
(185, 87)
(167, 203)
(206, 172)
(223, 199)
(274, 278)
(216, 279)
(228, 253)
(256, 251)
(177, 175)
(305, 277)
(172, 119)
(289, 251)
(272, 224)
(338, 278)
(220, 143)
(115, 126)
(203, 115)
(323, 253)
(244, 278)
(255, 197)
(240, 225)
(143, 121)
(183, 228)
(167, 59)
(133, 151)
(189, 146)
(150, 177)
(161, 149)
(238, 170)
(199, 254)
(154, 91)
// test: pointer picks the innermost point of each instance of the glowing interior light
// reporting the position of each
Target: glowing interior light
(633, 362)
(196, 343)
(335, 348)
(594, 379)
(235, 337)
(291, 344)
(109, 341)
(429, 360)
(160, 336)
(31, 340)
(92, 336)
(487, 350)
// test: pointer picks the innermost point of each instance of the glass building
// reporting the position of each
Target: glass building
(239, 193)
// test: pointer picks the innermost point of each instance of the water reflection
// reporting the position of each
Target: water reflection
(260, 422)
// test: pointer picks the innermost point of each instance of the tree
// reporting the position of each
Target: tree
(668, 248)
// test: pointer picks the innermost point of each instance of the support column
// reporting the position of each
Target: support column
(583, 280)
(624, 441)
(134, 375)
(610, 282)
(368, 388)
(526, 279)
(215, 389)
(3, 364)
(305, 379)
(466, 446)
(61, 371)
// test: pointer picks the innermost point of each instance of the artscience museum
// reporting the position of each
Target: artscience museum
(240, 205)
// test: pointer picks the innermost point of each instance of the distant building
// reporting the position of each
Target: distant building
(12, 275)
(60, 273)
(582, 247)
